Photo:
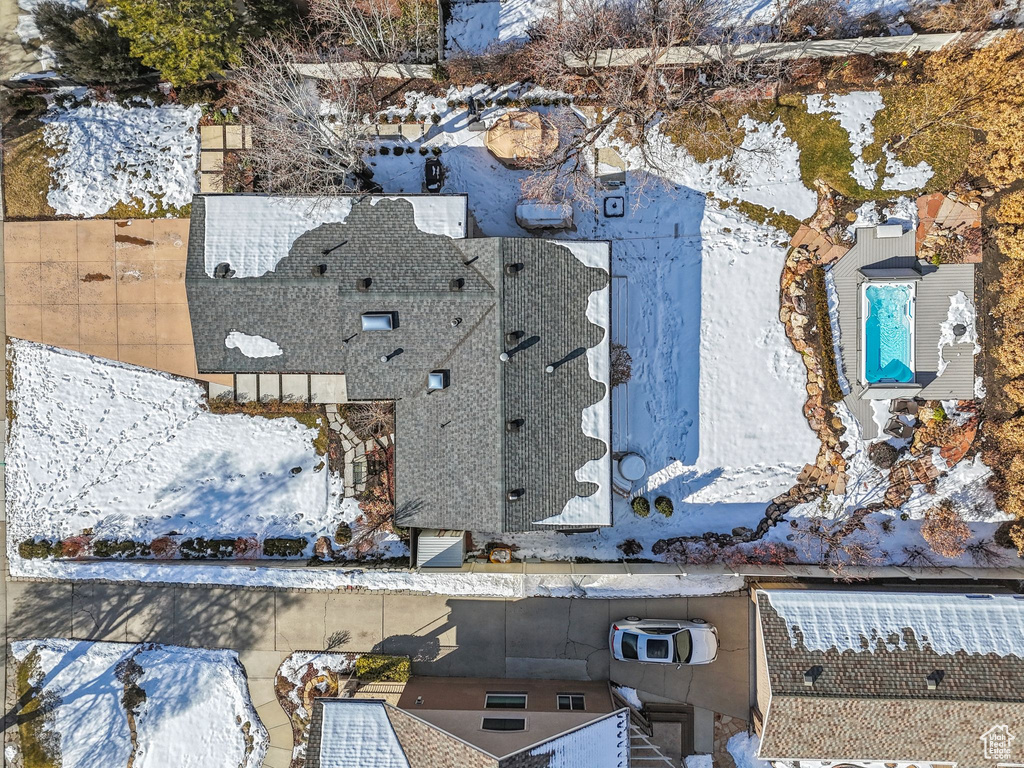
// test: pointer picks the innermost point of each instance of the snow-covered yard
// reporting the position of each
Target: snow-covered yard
(107, 154)
(148, 705)
(131, 453)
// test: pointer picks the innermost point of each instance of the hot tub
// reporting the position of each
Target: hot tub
(887, 346)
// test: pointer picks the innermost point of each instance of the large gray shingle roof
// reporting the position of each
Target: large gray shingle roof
(455, 460)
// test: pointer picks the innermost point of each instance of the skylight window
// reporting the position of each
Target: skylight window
(437, 380)
(378, 321)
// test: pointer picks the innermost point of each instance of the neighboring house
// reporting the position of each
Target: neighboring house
(474, 723)
(904, 327)
(890, 677)
(495, 349)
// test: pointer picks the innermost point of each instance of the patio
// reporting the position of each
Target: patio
(114, 289)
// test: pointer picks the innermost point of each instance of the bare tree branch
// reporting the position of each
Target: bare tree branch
(306, 134)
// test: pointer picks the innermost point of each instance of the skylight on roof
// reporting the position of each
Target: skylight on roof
(378, 321)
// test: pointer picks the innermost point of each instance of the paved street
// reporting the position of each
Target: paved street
(537, 637)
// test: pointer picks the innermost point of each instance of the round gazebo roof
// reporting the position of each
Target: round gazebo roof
(519, 137)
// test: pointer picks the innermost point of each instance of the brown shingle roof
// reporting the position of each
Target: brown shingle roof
(874, 703)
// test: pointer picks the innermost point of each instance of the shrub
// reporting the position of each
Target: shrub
(385, 150)
(375, 667)
(86, 47)
(284, 547)
(630, 548)
(30, 549)
(187, 41)
(200, 93)
(207, 549)
(939, 414)
(622, 365)
(945, 530)
(664, 505)
(1009, 534)
(123, 550)
(882, 455)
(816, 283)
(641, 506)
(343, 534)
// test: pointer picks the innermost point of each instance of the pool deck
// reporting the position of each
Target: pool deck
(894, 257)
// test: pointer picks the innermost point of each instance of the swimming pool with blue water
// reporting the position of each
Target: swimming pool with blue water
(889, 332)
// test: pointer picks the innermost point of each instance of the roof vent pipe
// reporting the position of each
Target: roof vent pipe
(549, 369)
(516, 495)
(513, 269)
(319, 270)
(513, 337)
(513, 425)
(363, 284)
(456, 284)
(504, 357)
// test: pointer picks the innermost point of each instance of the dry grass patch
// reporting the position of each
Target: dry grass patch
(27, 176)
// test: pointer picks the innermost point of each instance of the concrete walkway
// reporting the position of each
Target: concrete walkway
(14, 56)
(537, 637)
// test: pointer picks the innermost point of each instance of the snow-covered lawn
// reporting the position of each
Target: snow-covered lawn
(194, 710)
(132, 453)
(107, 153)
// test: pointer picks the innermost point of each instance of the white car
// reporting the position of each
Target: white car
(664, 641)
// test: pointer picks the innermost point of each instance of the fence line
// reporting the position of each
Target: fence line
(806, 49)
(688, 55)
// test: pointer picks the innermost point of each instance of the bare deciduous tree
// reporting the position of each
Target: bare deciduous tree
(371, 419)
(402, 31)
(306, 134)
(640, 90)
(837, 539)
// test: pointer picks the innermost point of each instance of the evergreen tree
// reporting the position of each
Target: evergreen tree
(185, 40)
(86, 47)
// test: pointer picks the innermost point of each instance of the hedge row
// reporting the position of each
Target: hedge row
(195, 548)
(819, 295)
(375, 667)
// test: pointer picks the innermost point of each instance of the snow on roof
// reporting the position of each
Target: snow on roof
(358, 734)
(252, 346)
(977, 624)
(253, 232)
(600, 744)
(596, 421)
